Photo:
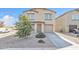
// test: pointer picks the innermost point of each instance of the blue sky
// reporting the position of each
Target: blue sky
(10, 15)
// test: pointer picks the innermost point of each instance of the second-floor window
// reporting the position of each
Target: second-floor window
(75, 17)
(47, 16)
(31, 16)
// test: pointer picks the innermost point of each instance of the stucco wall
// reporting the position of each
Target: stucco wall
(65, 20)
(60, 24)
(69, 20)
(39, 14)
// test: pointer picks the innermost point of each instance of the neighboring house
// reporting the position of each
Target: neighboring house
(42, 19)
(68, 21)
(1, 24)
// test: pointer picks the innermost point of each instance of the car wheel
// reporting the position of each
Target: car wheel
(74, 32)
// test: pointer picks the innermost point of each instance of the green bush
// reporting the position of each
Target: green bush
(40, 35)
(61, 31)
(77, 35)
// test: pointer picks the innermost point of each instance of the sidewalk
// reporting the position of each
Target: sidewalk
(75, 46)
(7, 34)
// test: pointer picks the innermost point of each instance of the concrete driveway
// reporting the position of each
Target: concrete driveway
(57, 41)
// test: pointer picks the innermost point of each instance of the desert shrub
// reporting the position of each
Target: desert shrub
(40, 35)
(41, 41)
(61, 30)
(77, 35)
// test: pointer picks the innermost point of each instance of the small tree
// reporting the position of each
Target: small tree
(24, 27)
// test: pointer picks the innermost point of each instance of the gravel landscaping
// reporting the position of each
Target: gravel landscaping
(14, 42)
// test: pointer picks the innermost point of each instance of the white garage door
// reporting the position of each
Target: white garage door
(48, 28)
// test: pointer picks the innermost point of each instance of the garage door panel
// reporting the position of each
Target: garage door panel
(48, 28)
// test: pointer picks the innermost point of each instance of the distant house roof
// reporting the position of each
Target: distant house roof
(34, 9)
(68, 12)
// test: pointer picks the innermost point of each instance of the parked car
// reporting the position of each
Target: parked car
(76, 31)
(3, 30)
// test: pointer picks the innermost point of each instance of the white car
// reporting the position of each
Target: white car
(76, 31)
(3, 30)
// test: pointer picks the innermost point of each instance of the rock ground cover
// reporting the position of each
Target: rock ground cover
(14, 42)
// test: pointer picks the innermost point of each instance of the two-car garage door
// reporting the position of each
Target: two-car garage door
(48, 28)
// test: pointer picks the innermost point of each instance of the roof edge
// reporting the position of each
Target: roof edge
(67, 12)
(33, 9)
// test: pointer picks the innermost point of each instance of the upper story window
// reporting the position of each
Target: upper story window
(31, 16)
(47, 16)
(75, 17)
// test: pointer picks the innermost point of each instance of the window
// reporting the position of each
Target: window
(75, 17)
(48, 16)
(31, 16)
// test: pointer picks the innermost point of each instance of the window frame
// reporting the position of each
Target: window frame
(75, 17)
(49, 17)
(31, 17)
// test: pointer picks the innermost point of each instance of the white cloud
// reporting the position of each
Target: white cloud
(8, 20)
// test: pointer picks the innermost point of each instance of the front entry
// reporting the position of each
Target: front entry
(39, 28)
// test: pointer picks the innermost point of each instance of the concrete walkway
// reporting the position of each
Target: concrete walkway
(57, 41)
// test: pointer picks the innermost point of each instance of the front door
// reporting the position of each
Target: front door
(39, 28)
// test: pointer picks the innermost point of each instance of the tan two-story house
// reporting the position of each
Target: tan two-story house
(42, 19)
(67, 21)
(45, 20)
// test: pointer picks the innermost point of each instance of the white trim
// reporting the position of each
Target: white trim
(42, 25)
(35, 28)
